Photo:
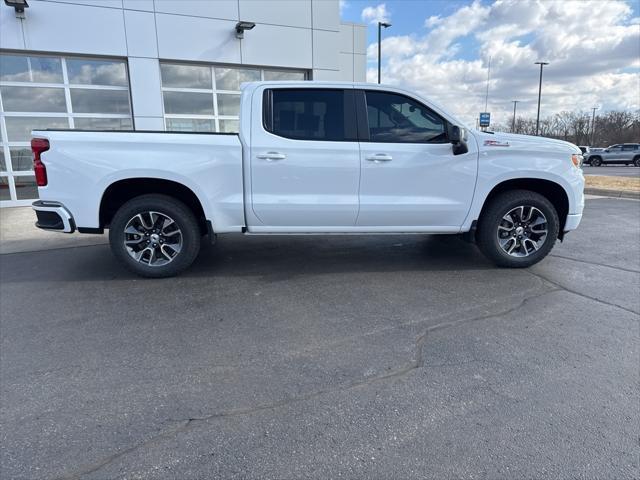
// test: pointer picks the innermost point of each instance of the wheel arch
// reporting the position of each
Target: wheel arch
(552, 191)
(121, 191)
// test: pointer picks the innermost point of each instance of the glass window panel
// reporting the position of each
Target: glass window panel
(26, 188)
(188, 103)
(19, 128)
(103, 123)
(231, 78)
(190, 125)
(99, 101)
(309, 114)
(33, 99)
(228, 104)
(5, 194)
(395, 118)
(46, 70)
(96, 72)
(15, 68)
(185, 76)
(3, 163)
(283, 75)
(229, 126)
(21, 159)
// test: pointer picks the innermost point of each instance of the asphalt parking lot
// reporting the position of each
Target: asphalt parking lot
(612, 171)
(376, 357)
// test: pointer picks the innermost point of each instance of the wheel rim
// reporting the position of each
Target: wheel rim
(152, 238)
(522, 231)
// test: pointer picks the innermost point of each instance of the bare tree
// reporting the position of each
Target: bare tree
(576, 127)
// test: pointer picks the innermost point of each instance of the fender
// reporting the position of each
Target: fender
(486, 185)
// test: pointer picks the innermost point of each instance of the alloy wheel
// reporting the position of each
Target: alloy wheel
(152, 238)
(522, 231)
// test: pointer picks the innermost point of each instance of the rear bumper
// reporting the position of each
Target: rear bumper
(53, 216)
(572, 222)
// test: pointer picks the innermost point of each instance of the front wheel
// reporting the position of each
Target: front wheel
(636, 161)
(596, 162)
(517, 229)
(155, 236)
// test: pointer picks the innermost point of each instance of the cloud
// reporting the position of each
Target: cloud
(343, 4)
(376, 14)
(593, 48)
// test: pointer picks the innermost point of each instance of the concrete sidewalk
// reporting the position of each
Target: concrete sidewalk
(18, 233)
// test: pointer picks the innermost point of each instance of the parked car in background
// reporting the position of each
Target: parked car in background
(620, 154)
(310, 158)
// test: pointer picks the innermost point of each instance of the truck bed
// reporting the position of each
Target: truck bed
(81, 165)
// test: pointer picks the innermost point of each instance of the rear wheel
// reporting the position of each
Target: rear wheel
(596, 162)
(517, 228)
(155, 236)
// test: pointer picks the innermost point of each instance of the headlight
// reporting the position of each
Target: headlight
(577, 159)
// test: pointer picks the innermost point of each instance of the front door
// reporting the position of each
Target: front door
(410, 176)
(305, 159)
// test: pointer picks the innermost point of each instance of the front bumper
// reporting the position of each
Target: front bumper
(572, 222)
(53, 216)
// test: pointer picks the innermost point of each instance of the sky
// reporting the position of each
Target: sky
(442, 49)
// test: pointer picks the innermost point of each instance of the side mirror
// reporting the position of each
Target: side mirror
(458, 138)
(607, 150)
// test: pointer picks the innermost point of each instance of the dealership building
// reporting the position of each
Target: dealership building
(154, 65)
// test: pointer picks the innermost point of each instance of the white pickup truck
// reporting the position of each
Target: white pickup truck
(310, 158)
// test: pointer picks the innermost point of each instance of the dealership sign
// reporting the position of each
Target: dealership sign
(485, 119)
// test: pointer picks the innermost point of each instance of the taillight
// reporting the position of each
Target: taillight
(39, 145)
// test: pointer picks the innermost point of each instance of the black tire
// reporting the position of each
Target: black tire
(636, 161)
(492, 218)
(168, 206)
(596, 162)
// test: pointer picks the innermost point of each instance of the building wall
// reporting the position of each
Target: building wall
(300, 35)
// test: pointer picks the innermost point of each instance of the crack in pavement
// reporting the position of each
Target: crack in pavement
(583, 295)
(416, 363)
(630, 270)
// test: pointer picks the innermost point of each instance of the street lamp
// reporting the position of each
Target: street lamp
(380, 25)
(542, 64)
(513, 125)
(593, 126)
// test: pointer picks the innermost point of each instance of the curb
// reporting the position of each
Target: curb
(612, 193)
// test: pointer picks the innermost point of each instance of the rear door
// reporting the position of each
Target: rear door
(410, 176)
(305, 159)
(614, 154)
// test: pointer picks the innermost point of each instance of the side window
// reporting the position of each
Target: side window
(394, 118)
(615, 148)
(628, 148)
(308, 114)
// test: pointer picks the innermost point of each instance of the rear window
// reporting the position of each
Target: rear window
(308, 114)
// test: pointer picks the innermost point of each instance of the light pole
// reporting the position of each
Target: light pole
(593, 126)
(380, 25)
(513, 125)
(542, 64)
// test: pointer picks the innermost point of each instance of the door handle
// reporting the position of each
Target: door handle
(271, 156)
(379, 157)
